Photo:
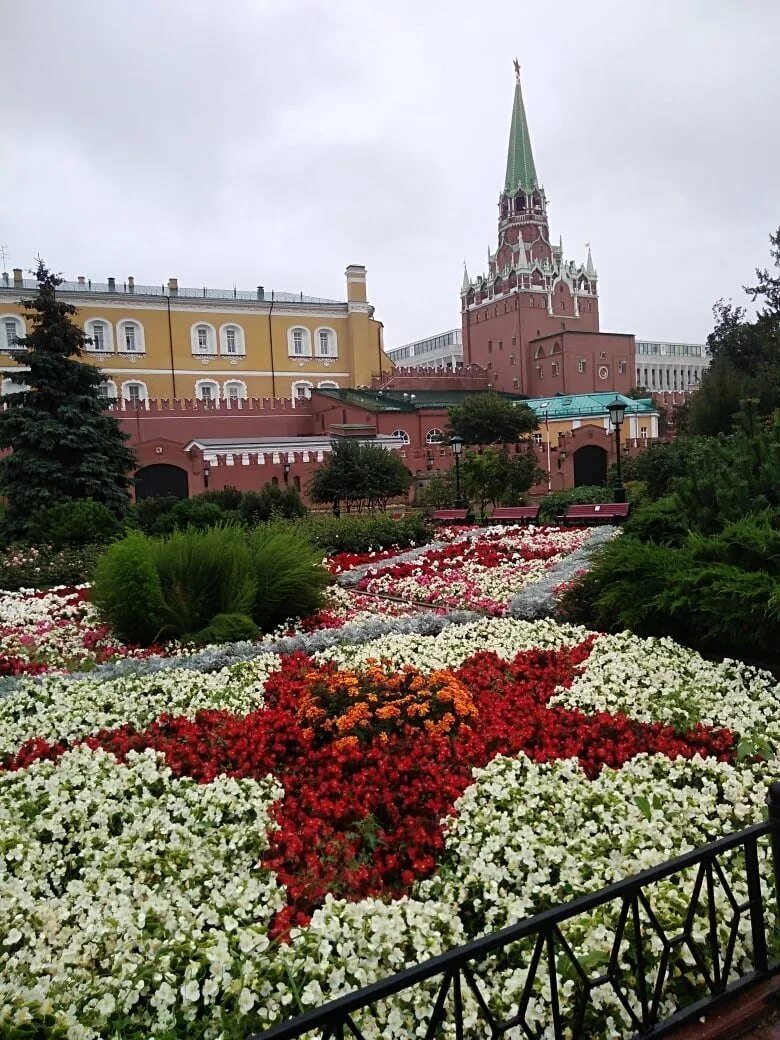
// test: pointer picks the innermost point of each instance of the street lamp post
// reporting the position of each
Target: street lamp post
(457, 447)
(617, 413)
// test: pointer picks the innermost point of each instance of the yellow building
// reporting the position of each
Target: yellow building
(167, 342)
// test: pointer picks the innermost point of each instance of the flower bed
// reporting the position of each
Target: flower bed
(482, 571)
(201, 854)
(55, 631)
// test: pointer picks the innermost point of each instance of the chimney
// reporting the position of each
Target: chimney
(112, 284)
(173, 286)
(130, 283)
(18, 280)
(261, 292)
(6, 281)
(82, 281)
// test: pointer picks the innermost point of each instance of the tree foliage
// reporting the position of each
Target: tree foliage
(496, 476)
(745, 357)
(362, 476)
(65, 445)
(490, 419)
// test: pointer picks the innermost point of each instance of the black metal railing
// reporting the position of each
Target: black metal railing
(458, 983)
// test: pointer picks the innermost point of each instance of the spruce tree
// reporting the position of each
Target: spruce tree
(64, 445)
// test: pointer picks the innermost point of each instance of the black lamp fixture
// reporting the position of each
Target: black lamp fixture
(206, 474)
(456, 443)
(562, 453)
(617, 413)
(287, 472)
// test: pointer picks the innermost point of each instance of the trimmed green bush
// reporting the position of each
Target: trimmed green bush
(752, 544)
(127, 590)
(227, 628)
(362, 533)
(227, 498)
(146, 511)
(271, 502)
(661, 522)
(189, 512)
(556, 502)
(73, 522)
(288, 575)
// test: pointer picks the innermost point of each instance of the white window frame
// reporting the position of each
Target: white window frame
(213, 386)
(140, 342)
(108, 336)
(301, 384)
(143, 394)
(328, 384)
(8, 385)
(21, 332)
(582, 366)
(240, 385)
(435, 436)
(305, 342)
(211, 340)
(333, 344)
(240, 350)
(110, 386)
(406, 439)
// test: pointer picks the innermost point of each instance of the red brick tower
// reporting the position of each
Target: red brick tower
(533, 320)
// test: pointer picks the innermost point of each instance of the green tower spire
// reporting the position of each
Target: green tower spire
(520, 169)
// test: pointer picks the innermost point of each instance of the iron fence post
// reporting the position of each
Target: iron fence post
(773, 802)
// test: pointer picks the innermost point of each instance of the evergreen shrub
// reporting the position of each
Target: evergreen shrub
(662, 522)
(190, 512)
(196, 585)
(73, 522)
(24, 567)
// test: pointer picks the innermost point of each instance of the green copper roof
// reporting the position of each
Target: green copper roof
(581, 406)
(400, 401)
(520, 169)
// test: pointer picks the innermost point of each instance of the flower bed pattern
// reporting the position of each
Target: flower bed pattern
(482, 571)
(160, 833)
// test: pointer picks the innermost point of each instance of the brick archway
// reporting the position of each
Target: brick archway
(590, 465)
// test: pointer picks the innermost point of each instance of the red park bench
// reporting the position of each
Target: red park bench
(450, 516)
(514, 514)
(601, 512)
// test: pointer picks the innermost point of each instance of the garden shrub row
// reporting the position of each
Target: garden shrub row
(358, 533)
(216, 585)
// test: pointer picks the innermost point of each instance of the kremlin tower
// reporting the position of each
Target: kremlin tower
(532, 320)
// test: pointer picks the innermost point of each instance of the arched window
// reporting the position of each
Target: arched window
(235, 390)
(403, 435)
(301, 390)
(556, 348)
(231, 338)
(130, 337)
(203, 338)
(134, 391)
(325, 343)
(102, 335)
(539, 353)
(107, 389)
(328, 384)
(207, 390)
(298, 343)
(11, 330)
(434, 436)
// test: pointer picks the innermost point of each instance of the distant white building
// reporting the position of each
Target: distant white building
(442, 351)
(670, 366)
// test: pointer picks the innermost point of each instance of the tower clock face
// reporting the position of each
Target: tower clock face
(603, 372)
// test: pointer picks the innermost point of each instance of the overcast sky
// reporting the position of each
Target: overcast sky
(253, 142)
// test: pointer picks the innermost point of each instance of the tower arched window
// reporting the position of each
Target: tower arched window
(539, 353)
(298, 342)
(301, 390)
(434, 436)
(130, 337)
(405, 438)
(235, 390)
(203, 338)
(520, 204)
(207, 390)
(231, 338)
(100, 332)
(325, 343)
(11, 330)
(134, 392)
